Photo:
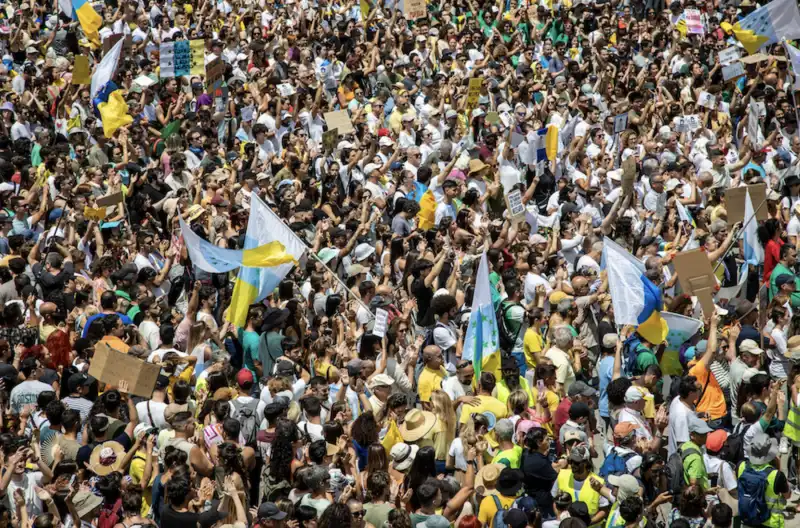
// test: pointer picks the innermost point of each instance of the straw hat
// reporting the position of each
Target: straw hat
(488, 476)
(195, 212)
(106, 458)
(476, 166)
(793, 347)
(417, 424)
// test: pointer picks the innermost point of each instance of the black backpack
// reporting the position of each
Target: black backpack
(674, 470)
(733, 450)
(507, 338)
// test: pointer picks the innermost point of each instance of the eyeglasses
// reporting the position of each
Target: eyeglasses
(361, 513)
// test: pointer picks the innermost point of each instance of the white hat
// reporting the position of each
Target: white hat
(363, 251)
(450, 113)
(344, 145)
(751, 347)
(421, 38)
(671, 184)
(503, 107)
(403, 455)
(615, 175)
(241, 57)
(408, 117)
(478, 112)
(627, 486)
(633, 395)
(385, 141)
(370, 167)
(380, 380)
(763, 449)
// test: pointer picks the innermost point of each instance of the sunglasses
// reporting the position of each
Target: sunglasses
(360, 513)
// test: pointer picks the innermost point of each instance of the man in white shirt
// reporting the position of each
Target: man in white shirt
(632, 413)
(680, 411)
(446, 208)
(151, 412)
(565, 371)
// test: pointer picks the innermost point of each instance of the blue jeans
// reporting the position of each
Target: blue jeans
(521, 363)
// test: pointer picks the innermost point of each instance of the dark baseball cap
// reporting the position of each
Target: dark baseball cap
(269, 511)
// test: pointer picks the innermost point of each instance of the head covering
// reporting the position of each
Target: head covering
(417, 424)
(106, 458)
(402, 456)
(627, 486)
(763, 449)
(509, 482)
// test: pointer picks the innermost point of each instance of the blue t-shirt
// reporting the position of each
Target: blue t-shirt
(605, 371)
(125, 320)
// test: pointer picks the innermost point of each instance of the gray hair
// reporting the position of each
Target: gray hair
(316, 477)
(504, 429)
(650, 167)
(717, 226)
(562, 336)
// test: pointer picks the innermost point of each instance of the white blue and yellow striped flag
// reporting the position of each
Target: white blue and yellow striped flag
(482, 342)
(254, 283)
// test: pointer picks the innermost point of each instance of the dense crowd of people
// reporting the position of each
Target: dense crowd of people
(407, 145)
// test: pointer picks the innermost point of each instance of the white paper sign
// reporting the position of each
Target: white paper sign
(728, 55)
(381, 321)
(732, 71)
(286, 90)
(516, 208)
(707, 100)
(247, 113)
(620, 123)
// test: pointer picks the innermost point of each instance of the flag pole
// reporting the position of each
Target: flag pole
(794, 81)
(738, 234)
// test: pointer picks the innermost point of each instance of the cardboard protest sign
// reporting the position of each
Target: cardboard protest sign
(516, 209)
(414, 9)
(474, 92)
(340, 120)
(733, 71)
(214, 71)
(81, 73)
(620, 123)
(112, 39)
(492, 118)
(111, 199)
(696, 277)
(286, 90)
(329, 139)
(112, 367)
(628, 175)
(734, 202)
(92, 213)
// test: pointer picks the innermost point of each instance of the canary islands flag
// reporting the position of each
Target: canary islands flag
(214, 259)
(90, 21)
(254, 283)
(482, 345)
(636, 300)
(769, 24)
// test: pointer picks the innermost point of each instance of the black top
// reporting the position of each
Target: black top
(172, 519)
(539, 479)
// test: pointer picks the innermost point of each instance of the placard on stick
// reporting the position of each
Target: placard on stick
(474, 91)
(329, 138)
(381, 322)
(214, 71)
(112, 366)
(516, 209)
(628, 175)
(111, 199)
(620, 123)
(341, 120)
(734, 202)
(733, 71)
(415, 9)
(696, 277)
(81, 73)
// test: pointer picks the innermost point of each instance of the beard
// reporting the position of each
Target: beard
(512, 381)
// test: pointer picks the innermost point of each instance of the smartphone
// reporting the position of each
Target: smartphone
(540, 386)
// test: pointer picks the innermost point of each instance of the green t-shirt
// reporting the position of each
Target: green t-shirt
(249, 342)
(694, 467)
(377, 514)
(644, 358)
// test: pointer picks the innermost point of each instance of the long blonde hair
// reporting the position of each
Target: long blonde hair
(443, 409)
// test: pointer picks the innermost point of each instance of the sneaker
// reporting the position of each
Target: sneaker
(784, 446)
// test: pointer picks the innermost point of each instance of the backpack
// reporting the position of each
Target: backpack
(271, 490)
(753, 508)
(507, 338)
(614, 464)
(246, 414)
(675, 479)
(629, 353)
(733, 450)
(110, 517)
(498, 521)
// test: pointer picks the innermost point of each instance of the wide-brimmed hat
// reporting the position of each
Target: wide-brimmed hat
(106, 458)
(793, 347)
(403, 455)
(195, 212)
(476, 166)
(510, 482)
(627, 486)
(85, 502)
(417, 424)
(488, 476)
(763, 449)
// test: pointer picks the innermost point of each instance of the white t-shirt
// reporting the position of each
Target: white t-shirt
(156, 412)
(678, 428)
(457, 452)
(793, 229)
(726, 478)
(642, 430)
(26, 483)
(150, 332)
(314, 431)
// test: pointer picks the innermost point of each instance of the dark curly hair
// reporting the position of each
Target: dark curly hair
(365, 429)
(280, 463)
(335, 516)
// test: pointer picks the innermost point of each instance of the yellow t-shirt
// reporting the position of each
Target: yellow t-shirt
(552, 404)
(137, 473)
(532, 343)
(488, 508)
(488, 403)
(429, 381)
